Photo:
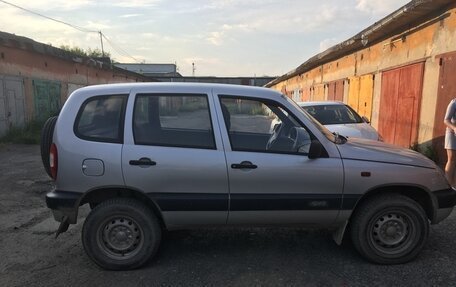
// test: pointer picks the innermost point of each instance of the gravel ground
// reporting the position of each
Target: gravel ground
(31, 256)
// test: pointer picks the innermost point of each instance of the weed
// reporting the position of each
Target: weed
(29, 134)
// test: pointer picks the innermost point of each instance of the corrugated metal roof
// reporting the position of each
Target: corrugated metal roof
(406, 17)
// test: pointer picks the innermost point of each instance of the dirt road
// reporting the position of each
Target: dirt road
(30, 256)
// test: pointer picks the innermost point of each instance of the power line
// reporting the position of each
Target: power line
(49, 18)
(118, 48)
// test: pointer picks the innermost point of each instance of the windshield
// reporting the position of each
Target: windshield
(333, 114)
(318, 125)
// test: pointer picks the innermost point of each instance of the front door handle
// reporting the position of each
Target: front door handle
(143, 161)
(244, 165)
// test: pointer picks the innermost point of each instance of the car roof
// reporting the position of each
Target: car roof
(320, 103)
(174, 84)
(125, 88)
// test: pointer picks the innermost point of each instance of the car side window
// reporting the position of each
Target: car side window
(101, 118)
(263, 126)
(177, 120)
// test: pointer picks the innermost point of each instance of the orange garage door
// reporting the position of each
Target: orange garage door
(360, 94)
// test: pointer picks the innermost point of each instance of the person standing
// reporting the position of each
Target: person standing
(450, 142)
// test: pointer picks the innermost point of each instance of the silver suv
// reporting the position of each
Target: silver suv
(153, 157)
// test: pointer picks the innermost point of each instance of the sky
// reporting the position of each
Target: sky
(222, 37)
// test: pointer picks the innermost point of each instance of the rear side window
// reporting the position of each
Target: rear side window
(101, 118)
(177, 120)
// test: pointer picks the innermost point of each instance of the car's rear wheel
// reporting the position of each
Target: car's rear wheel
(389, 229)
(47, 133)
(121, 234)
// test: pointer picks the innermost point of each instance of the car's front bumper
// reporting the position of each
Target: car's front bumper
(446, 200)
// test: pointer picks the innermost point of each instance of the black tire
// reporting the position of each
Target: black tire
(389, 229)
(47, 134)
(121, 234)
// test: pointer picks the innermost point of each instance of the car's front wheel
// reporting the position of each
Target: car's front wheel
(389, 229)
(121, 234)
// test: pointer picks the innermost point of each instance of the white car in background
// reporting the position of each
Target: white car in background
(340, 118)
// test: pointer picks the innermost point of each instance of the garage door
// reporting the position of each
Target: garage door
(360, 93)
(12, 103)
(306, 94)
(46, 97)
(318, 93)
(400, 103)
(336, 91)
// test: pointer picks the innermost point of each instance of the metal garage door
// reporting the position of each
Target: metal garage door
(400, 103)
(318, 92)
(12, 103)
(296, 95)
(360, 94)
(336, 91)
(366, 92)
(47, 98)
(306, 92)
(446, 92)
(353, 92)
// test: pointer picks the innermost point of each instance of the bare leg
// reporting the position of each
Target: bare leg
(450, 166)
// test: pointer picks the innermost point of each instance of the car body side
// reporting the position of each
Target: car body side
(352, 180)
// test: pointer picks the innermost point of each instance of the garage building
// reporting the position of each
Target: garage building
(400, 73)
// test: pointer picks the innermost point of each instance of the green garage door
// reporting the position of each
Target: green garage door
(46, 97)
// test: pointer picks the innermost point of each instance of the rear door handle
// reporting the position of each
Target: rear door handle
(244, 165)
(144, 161)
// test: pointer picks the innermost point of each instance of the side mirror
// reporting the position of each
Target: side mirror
(365, 119)
(316, 149)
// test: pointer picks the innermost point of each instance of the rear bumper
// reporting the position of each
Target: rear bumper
(64, 204)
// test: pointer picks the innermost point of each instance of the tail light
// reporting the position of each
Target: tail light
(53, 161)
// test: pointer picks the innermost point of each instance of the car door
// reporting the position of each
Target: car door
(172, 154)
(272, 180)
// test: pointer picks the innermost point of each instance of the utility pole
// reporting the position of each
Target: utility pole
(101, 40)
